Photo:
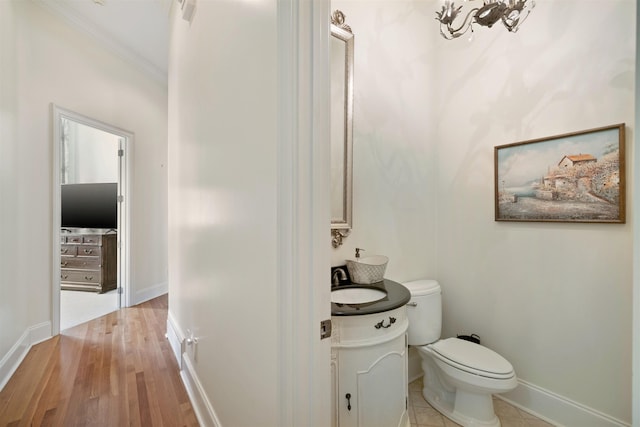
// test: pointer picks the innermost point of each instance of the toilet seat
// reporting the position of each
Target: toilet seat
(472, 358)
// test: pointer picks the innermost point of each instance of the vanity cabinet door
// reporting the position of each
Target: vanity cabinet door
(372, 386)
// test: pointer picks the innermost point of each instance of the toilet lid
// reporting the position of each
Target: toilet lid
(473, 358)
(422, 287)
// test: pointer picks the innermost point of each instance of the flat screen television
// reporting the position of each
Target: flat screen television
(90, 205)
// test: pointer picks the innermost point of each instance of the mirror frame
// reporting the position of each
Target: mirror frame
(341, 228)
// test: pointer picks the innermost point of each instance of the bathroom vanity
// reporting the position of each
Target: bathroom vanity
(369, 359)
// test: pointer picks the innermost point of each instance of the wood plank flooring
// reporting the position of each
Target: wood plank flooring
(117, 370)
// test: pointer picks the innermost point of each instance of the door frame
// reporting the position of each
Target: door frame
(303, 210)
(124, 186)
(635, 354)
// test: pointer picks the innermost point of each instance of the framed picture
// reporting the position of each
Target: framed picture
(575, 177)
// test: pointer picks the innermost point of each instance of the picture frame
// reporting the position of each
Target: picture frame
(573, 177)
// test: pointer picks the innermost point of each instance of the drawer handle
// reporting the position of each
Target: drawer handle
(348, 396)
(380, 324)
(88, 278)
(64, 276)
(64, 263)
(88, 251)
(65, 250)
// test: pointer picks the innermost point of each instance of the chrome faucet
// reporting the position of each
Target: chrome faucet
(338, 275)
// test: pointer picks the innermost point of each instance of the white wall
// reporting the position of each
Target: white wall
(554, 299)
(223, 204)
(14, 314)
(46, 61)
(249, 210)
(394, 180)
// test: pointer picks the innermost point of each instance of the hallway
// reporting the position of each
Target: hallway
(112, 371)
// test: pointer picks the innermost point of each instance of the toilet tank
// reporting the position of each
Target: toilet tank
(424, 311)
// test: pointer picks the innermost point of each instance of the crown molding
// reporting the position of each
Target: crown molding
(103, 38)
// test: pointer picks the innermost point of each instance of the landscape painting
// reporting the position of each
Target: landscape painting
(575, 177)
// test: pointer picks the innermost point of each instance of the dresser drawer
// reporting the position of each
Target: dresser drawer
(92, 240)
(76, 276)
(84, 263)
(69, 250)
(86, 250)
(74, 239)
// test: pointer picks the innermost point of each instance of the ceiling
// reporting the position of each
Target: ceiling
(137, 30)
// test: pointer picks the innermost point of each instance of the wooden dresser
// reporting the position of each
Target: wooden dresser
(88, 262)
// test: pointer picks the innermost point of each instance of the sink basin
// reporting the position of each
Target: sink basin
(367, 270)
(356, 295)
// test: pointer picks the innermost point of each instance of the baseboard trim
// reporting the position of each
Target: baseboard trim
(556, 409)
(12, 360)
(199, 400)
(176, 338)
(150, 293)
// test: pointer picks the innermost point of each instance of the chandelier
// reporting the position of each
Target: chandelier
(512, 13)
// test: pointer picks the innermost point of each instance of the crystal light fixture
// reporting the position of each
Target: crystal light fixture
(512, 13)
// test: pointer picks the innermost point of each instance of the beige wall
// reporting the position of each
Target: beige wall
(46, 61)
(554, 299)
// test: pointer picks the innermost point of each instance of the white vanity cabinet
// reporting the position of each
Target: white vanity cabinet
(369, 368)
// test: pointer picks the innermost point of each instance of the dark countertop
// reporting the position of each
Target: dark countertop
(397, 296)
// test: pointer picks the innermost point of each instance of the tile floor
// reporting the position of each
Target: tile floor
(422, 414)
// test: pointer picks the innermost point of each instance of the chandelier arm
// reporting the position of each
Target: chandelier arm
(514, 28)
(469, 15)
(451, 36)
(492, 11)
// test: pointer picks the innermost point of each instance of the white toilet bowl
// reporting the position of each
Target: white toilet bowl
(459, 376)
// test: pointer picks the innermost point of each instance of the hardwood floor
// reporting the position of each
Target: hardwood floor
(117, 370)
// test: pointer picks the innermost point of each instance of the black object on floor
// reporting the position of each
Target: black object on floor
(473, 338)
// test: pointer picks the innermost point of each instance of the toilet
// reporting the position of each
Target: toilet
(459, 376)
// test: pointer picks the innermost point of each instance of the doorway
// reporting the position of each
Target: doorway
(90, 217)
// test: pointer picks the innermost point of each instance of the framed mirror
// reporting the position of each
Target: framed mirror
(341, 74)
